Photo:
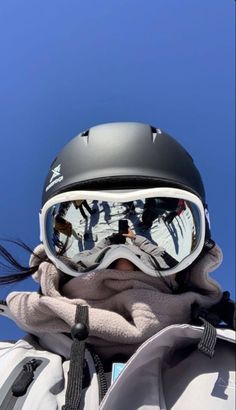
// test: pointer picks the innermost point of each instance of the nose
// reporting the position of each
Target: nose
(124, 264)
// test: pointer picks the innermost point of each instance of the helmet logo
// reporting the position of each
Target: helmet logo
(56, 173)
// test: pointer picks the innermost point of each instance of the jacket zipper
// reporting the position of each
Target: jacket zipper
(20, 384)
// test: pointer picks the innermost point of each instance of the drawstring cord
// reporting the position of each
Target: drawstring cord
(79, 333)
(102, 381)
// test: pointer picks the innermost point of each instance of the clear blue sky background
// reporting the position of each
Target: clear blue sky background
(68, 65)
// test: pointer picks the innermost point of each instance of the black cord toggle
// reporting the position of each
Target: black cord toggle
(80, 331)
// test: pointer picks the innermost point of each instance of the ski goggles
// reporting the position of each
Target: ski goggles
(160, 230)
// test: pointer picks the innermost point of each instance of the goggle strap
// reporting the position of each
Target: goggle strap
(208, 245)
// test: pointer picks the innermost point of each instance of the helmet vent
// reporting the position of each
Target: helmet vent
(154, 133)
(86, 135)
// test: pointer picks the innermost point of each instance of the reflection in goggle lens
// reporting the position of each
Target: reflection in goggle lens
(166, 229)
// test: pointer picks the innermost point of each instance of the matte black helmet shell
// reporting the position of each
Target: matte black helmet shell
(122, 155)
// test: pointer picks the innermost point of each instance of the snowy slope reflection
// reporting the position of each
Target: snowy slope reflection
(170, 223)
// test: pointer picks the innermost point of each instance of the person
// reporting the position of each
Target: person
(130, 208)
(84, 204)
(65, 227)
(154, 208)
(172, 215)
(119, 333)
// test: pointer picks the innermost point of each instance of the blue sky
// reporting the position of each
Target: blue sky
(66, 66)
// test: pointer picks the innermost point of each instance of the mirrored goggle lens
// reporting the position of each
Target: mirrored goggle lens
(75, 231)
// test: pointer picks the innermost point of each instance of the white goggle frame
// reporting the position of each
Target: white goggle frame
(124, 196)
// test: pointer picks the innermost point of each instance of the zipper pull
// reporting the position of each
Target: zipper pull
(25, 377)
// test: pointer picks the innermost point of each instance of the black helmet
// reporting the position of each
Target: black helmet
(122, 155)
(126, 167)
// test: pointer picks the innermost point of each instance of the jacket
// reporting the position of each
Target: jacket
(166, 372)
